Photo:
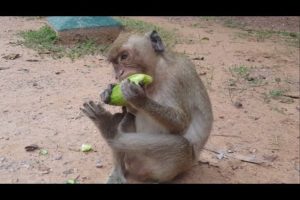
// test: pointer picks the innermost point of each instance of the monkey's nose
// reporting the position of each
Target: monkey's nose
(118, 75)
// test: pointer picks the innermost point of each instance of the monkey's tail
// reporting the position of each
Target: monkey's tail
(146, 142)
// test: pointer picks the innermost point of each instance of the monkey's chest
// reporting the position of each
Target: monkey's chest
(147, 124)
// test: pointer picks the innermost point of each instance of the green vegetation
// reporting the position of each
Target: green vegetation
(241, 70)
(45, 40)
(143, 27)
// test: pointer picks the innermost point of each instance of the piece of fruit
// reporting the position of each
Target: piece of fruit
(116, 97)
(43, 152)
(86, 147)
(71, 181)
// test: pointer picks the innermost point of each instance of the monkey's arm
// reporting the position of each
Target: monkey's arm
(175, 120)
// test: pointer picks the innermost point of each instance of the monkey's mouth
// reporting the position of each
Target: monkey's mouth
(123, 76)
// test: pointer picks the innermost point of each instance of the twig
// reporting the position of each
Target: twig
(225, 135)
(240, 157)
(292, 96)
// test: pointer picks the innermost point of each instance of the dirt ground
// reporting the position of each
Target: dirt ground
(255, 138)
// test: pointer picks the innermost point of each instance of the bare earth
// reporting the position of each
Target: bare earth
(255, 143)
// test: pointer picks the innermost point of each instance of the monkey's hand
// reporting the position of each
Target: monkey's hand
(134, 94)
(95, 111)
(105, 95)
(104, 120)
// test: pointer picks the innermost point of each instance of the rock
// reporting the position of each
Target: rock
(253, 150)
(238, 104)
(270, 158)
(58, 157)
(69, 171)
(99, 164)
(24, 70)
(230, 151)
(2, 159)
(44, 169)
(287, 100)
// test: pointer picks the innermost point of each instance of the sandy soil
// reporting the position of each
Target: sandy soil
(257, 142)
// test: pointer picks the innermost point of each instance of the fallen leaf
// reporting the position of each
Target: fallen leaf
(12, 56)
(32, 147)
(24, 70)
(197, 58)
(205, 38)
(32, 60)
(238, 104)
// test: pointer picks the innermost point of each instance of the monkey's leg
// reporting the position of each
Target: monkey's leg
(154, 157)
(108, 125)
(127, 124)
(117, 174)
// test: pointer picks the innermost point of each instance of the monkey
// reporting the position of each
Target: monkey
(160, 132)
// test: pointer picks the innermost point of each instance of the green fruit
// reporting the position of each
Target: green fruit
(71, 181)
(86, 147)
(116, 97)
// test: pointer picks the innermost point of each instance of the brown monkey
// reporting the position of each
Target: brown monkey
(162, 130)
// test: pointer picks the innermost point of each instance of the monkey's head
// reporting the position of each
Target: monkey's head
(131, 54)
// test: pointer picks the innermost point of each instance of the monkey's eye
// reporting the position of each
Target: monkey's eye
(124, 56)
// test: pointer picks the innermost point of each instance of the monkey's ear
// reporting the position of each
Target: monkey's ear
(156, 42)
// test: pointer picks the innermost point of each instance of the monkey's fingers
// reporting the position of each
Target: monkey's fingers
(89, 113)
(136, 88)
(105, 96)
(125, 88)
(111, 86)
(97, 108)
(94, 109)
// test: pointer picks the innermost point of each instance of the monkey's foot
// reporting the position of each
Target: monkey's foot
(113, 179)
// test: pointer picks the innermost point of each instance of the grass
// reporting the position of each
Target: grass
(291, 38)
(139, 26)
(233, 24)
(241, 76)
(261, 35)
(241, 71)
(45, 40)
(276, 93)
